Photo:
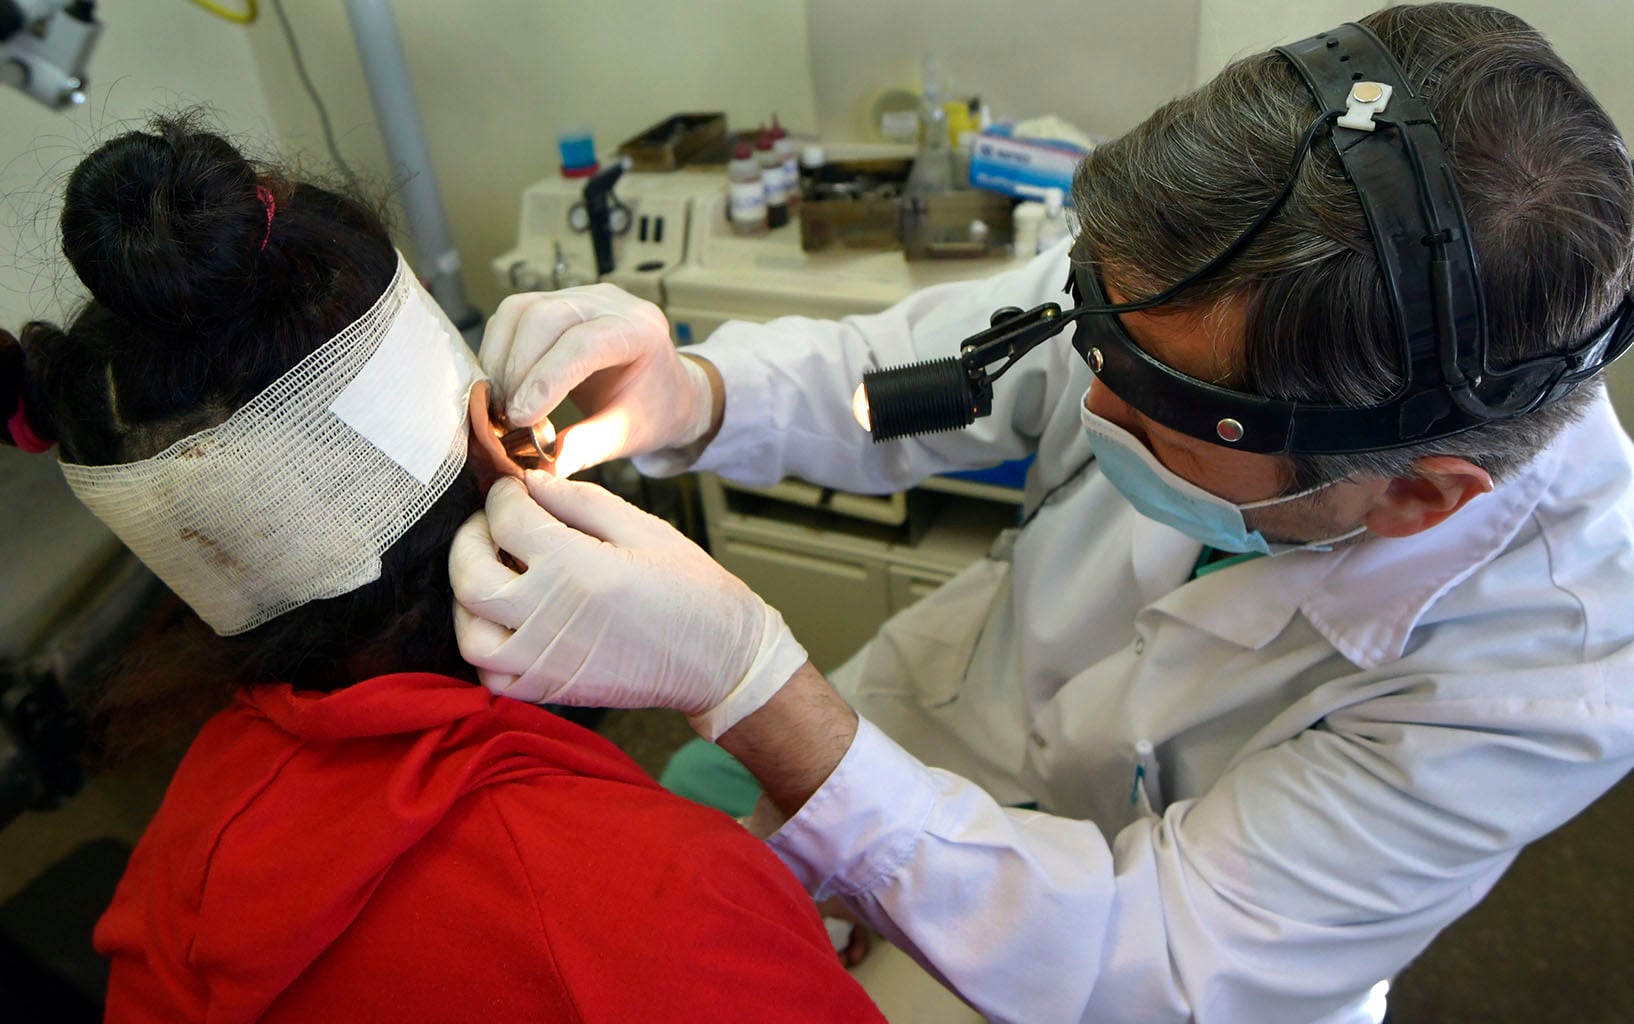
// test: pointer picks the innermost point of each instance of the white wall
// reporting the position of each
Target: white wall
(495, 81)
(147, 59)
(1228, 29)
(1101, 64)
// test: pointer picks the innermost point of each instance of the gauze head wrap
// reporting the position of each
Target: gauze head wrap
(296, 496)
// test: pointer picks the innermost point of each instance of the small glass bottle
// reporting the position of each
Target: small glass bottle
(791, 162)
(771, 172)
(746, 192)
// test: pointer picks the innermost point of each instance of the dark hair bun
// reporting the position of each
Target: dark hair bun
(165, 227)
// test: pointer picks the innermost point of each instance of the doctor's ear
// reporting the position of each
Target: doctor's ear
(1440, 485)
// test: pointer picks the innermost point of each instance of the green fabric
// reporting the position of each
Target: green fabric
(706, 774)
(1211, 560)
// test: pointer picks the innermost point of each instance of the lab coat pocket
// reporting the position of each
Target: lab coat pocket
(925, 650)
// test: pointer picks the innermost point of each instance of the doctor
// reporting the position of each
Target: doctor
(1285, 711)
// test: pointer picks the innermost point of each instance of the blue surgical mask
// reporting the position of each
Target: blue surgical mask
(1159, 493)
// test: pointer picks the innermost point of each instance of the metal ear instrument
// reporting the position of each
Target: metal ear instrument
(528, 447)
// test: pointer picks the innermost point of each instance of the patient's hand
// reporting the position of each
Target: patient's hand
(761, 823)
(861, 943)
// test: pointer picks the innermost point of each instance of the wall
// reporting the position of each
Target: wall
(1101, 64)
(493, 89)
(134, 70)
(1228, 29)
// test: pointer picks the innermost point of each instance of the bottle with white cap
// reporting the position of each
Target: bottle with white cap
(1039, 225)
(1024, 222)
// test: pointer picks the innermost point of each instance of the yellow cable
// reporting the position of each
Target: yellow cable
(243, 17)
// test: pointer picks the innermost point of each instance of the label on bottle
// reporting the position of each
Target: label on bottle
(747, 202)
(791, 178)
(899, 125)
(777, 185)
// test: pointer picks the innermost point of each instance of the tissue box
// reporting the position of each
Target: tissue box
(1000, 163)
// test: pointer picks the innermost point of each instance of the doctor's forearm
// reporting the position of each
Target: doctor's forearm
(794, 743)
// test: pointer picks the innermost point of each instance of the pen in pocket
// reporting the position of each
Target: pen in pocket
(1145, 786)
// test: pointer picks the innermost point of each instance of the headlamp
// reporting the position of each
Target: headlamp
(1392, 151)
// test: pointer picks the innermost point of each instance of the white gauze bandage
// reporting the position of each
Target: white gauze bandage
(297, 495)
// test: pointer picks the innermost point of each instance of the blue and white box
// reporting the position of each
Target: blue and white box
(1000, 163)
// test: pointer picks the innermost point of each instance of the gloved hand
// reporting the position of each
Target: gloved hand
(614, 609)
(611, 353)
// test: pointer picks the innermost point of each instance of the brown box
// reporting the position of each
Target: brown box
(871, 213)
(854, 205)
(674, 142)
(940, 227)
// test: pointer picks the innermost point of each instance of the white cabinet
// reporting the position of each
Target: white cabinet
(834, 575)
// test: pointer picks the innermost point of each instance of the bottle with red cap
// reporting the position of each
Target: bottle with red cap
(746, 192)
(777, 187)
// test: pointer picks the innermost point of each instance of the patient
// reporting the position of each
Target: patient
(358, 833)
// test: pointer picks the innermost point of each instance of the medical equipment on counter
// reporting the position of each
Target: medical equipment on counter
(554, 247)
(604, 214)
(1392, 151)
(835, 564)
(45, 46)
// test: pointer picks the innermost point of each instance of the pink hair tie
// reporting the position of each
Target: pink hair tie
(265, 195)
(22, 434)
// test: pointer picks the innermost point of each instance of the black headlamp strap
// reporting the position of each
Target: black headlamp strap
(1389, 146)
(1412, 208)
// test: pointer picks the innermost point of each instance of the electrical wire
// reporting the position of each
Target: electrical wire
(1236, 245)
(245, 17)
(312, 91)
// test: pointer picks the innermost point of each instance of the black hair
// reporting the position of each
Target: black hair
(211, 276)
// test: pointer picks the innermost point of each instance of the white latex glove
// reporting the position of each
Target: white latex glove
(612, 354)
(615, 609)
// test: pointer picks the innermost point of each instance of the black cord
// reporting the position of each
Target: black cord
(1230, 252)
(1045, 500)
(312, 91)
(1023, 342)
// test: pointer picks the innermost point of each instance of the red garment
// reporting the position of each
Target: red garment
(414, 849)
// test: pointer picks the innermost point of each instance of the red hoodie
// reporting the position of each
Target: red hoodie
(412, 848)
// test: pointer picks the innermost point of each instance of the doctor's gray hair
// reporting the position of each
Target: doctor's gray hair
(1546, 186)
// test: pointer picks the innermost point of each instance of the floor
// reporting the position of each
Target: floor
(1553, 943)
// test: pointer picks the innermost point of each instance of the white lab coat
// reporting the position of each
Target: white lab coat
(1262, 790)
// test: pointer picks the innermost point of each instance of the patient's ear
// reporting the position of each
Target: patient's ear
(487, 457)
(1440, 485)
